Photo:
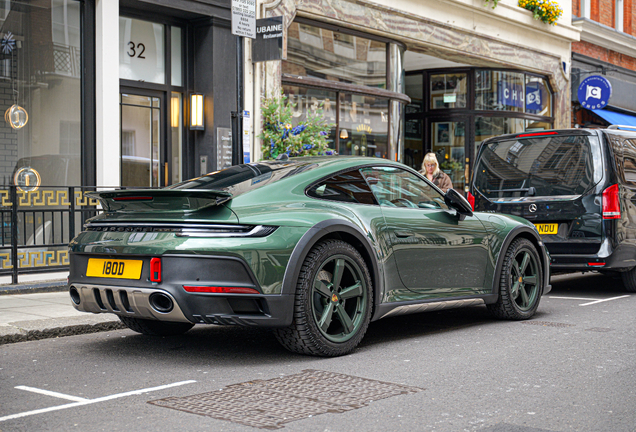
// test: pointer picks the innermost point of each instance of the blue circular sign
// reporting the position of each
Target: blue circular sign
(594, 92)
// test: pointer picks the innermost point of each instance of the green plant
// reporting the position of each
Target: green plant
(279, 136)
(544, 10)
(450, 164)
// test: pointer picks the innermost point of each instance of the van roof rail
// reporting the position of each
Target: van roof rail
(621, 126)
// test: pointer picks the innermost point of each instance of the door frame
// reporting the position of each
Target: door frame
(165, 144)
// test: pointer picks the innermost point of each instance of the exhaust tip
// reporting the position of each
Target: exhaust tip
(75, 296)
(161, 302)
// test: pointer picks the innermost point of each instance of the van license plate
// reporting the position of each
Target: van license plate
(550, 228)
(110, 268)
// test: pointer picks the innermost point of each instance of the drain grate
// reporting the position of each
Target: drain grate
(599, 329)
(268, 404)
(547, 324)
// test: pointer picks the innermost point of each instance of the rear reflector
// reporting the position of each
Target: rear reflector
(133, 198)
(537, 134)
(596, 264)
(220, 290)
(471, 199)
(155, 269)
(611, 204)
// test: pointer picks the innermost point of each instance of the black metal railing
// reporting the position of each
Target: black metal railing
(36, 227)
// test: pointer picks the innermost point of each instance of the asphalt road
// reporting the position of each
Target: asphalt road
(572, 368)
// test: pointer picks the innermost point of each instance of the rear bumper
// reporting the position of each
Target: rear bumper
(164, 305)
(623, 257)
(167, 300)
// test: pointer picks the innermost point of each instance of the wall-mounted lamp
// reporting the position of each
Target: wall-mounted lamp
(175, 114)
(344, 134)
(196, 111)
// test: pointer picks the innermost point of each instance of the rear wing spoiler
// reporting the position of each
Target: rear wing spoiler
(169, 200)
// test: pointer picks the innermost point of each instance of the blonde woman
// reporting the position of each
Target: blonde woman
(430, 168)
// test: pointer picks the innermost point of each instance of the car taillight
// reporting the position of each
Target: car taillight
(471, 199)
(220, 289)
(611, 204)
(155, 269)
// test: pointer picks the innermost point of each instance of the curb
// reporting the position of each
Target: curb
(17, 334)
(34, 288)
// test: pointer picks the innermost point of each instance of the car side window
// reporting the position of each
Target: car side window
(396, 187)
(345, 187)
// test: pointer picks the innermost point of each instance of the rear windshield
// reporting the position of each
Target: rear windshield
(240, 179)
(545, 166)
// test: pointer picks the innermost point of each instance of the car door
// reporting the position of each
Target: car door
(436, 253)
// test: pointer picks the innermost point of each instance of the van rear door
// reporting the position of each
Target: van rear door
(549, 178)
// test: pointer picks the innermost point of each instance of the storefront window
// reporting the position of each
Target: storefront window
(499, 90)
(364, 125)
(176, 62)
(448, 90)
(538, 96)
(335, 56)
(310, 100)
(537, 125)
(141, 51)
(40, 77)
(448, 141)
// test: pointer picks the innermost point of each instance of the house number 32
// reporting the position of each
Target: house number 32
(132, 50)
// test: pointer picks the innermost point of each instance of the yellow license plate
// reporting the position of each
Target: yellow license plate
(110, 268)
(551, 228)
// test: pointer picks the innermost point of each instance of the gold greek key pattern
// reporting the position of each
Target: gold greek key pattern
(83, 200)
(44, 198)
(31, 259)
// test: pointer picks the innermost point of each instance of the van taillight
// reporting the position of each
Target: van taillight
(611, 205)
(471, 199)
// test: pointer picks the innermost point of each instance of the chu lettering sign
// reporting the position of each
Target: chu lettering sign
(594, 92)
(269, 39)
(244, 18)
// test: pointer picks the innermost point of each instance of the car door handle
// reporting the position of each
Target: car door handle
(404, 234)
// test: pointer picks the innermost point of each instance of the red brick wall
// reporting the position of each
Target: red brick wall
(603, 54)
(594, 11)
(606, 12)
(628, 17)
(576, 8)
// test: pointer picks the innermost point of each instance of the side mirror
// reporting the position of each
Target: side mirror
(455, 200)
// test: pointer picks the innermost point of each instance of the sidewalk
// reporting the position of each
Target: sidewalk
(45, 312)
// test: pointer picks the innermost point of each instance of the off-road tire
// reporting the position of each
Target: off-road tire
(511, 304)
(629, 280)
(304, 336)
(155, 328)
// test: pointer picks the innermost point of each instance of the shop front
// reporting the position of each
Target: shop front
(397, 83)
(453, 110)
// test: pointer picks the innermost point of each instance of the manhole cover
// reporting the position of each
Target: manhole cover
(599, 329)
(547, 324)
(269, 404)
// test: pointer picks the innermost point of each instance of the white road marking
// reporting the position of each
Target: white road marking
(572, 298)
(51, 393)
(92, 401)
(604, 300)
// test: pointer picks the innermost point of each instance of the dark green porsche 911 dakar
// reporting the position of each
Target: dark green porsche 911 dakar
(315, 248)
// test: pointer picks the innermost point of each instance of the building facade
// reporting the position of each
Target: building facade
(399, 79)
(608, 49)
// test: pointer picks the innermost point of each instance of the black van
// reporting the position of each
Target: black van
(578, 186)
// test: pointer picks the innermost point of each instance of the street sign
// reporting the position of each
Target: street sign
(269, 40)
(244, 18)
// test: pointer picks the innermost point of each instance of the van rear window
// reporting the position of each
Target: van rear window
(539, 166)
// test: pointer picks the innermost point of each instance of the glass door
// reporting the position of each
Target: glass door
(142, 139)
(448, 142)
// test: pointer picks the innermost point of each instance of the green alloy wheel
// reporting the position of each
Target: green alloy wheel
(333, 302)
(520, 285)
